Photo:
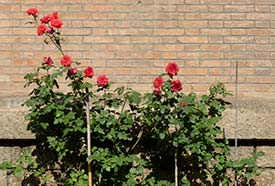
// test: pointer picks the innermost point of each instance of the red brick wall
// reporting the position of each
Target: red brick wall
(132, 41)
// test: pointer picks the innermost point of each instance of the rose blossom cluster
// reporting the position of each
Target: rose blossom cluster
(49, 24)
(171, 70)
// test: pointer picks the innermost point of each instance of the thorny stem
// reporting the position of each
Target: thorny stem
(52, 38)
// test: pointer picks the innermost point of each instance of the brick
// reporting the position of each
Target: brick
(263, 55)
(169, 55)
(262, 8)
(201, 55)
(27, 47)
(215, 47)
(238, 8)
(46, 8)
(260, 47)
(154, 7)
(98, 55)
(192, 8)
(97, 39)
(168, 47)
(263, 71)
(239, 55)
(169, 32)
(215, 32)
(191, 63)
(215, 8)
(264, 2)
(215, 24)
(167, 24)
(215, 39)
(75, 7)
(260, 16)
(256, 63)
(122, 24)
(215, 72)
(100, 24)
(262, 24)
(215, 1)
(192, 32)
(123, 32)
(215, 63)
(9, 70)
(235, 32)
(239, 24)
(239, 39)
(192, 1)
(99, 8)
(77, 31)
(237, 2)
(238, 16)
(192, 47)
(238, 47)
(195, 24)
(194, 71)
(145, 40)
(74, 1)
(195, 39)
(215, 16)
(167, 39)
(259, 32)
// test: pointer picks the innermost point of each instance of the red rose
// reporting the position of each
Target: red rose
(54, 15)
(48, 61)
(102, 81)
(72, 71)
(158, 82)
(41, 29)
(32, 11)
(176, 86)
(46, 19)
(66, 61)
(172, 69)
(57, 23)
(89, 72)
(157, 90)
(50, 30)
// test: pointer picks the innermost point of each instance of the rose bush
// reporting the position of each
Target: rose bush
(155, 139)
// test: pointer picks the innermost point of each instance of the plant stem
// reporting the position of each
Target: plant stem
(56, 45)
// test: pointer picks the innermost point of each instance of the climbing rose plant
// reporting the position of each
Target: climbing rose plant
(155, 139)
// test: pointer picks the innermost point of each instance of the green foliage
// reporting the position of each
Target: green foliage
(135, 138)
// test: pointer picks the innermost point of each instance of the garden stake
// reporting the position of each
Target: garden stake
(176, 167)
(236, 117)
(90, 180)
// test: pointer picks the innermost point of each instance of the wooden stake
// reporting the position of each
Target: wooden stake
(236, 118)
(90, 180)
(176, 168)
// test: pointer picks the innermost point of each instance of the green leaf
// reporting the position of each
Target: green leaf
(162, 135)
(6, 165)
(18, 171)
(120, 90)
